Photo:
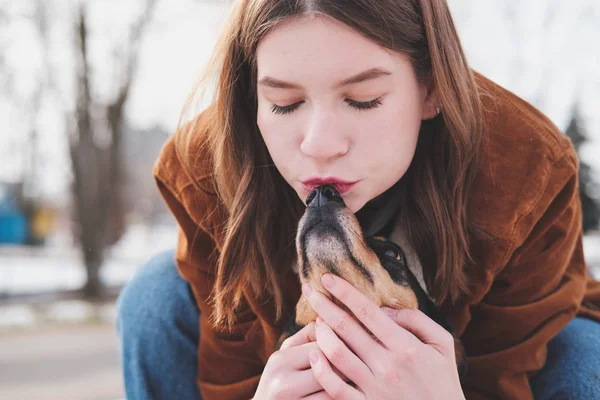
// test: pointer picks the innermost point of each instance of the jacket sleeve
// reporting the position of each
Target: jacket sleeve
(228, 364)
(533, 296)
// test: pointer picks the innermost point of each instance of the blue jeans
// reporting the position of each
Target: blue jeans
(157, 325)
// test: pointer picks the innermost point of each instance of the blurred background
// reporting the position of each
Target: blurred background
(90, 90)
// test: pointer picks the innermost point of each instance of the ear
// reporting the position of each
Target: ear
(431, 103)
(304, 312)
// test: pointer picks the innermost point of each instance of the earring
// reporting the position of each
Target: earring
(437, 110)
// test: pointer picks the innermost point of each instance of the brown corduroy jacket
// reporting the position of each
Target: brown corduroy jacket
(531, 282)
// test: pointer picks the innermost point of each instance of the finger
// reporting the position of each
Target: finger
(322, 395)
(340, 356)
(293, 358)
(304, 335)
(346, 328)
(367, 312)
(306, 382)
(333, 384)
(424, 328)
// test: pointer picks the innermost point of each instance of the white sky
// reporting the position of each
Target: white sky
(547, 53)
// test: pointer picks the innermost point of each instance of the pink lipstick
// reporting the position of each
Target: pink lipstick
(342, 186)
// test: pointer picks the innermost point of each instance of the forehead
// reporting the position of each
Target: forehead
(300, 45)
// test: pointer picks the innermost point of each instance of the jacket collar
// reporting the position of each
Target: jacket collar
(378, 215)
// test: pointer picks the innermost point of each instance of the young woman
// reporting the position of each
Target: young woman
(377, 98)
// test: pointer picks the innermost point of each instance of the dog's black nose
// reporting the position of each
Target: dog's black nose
(323, 195)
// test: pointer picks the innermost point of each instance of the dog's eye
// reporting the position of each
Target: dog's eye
(391, 252)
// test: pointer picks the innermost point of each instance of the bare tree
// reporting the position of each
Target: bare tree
(95, 138)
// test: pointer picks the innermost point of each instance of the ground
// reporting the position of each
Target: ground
(66, 362)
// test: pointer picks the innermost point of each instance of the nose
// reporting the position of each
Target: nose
(325, 138)
(323, 195)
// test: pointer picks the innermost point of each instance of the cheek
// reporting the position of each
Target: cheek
(400, 153)
(278, 137)
(387, 148)
(268, 129)
(391, 139)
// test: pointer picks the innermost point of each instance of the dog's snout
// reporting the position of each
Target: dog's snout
(323, 195)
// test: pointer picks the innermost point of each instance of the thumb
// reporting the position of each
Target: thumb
(304, 335)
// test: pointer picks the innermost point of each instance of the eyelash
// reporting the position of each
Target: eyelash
(367, 105)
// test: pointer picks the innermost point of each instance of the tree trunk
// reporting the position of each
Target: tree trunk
(97, 162)
(93, 289)
(91, 181)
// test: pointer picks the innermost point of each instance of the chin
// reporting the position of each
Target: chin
(354, 204)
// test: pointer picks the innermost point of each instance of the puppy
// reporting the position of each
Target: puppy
(330, 239)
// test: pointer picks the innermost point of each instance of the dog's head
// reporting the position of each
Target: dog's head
(330, 239)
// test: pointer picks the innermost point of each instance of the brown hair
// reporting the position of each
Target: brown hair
(263, 210)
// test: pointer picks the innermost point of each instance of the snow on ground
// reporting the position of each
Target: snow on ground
(65, 312)
(34, 270)
(25, 270)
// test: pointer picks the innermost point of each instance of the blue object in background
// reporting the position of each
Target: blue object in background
(13, 222)
(13, 227)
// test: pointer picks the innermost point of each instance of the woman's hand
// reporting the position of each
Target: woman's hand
(409, 357)
(287, 374)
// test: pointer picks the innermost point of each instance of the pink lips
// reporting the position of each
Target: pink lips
(340, 185)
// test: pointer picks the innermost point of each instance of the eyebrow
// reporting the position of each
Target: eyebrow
(369, 74)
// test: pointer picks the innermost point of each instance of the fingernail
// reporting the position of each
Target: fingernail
(313, 357)
(327, 280)
(307, 290)
(319, 321)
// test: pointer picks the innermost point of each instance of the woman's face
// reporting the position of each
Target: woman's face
(333, 104)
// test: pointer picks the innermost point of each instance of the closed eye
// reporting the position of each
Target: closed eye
(365, 105)
(275, 109)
